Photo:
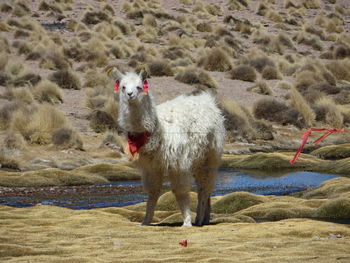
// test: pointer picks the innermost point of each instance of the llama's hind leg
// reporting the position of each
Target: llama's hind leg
(181, 185)
(205, 179)
(152, 185)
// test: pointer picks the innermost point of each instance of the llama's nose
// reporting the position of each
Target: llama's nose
(129, 94)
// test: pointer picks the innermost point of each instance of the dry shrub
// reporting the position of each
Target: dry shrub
(109, 9)
(14, 67)
(311, 73)
(8, 162)
(301, 105)
(100, 121)
(47, 91)
(275, 111)
(243, 72)
(149, 20)
(29, 78)
(268, 41)
(259, 62)
(67, 138)
(66, 79)
(237, 123)
(327, 111)
(195, 76)
(111, 31)
(214, 9)
(215, 60)
(21, 8)
(309, 39)
(111, 107)
(261, 88)
(38, 127)
(14, 141)
(94, 79)
(4, 58)
(96, 52)
(324, 88)
(5, 8)
(340, 69)
(6, 112)
(238, 4)
(22, 95)
(341, 51)
(124, 27)
(4, 78)
(204, 27)
(273, 15)
(147, 34)
(95, 17)
(284, 85)
(311, 4)
(159, 67)
(271, 73)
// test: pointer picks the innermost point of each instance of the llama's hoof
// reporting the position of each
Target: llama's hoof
(187, 224)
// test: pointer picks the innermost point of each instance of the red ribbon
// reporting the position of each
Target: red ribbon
(137, 140)
(306, 136)
(183, 243)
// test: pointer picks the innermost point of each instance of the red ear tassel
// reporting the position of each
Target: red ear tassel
(116, 87)
(145, 86)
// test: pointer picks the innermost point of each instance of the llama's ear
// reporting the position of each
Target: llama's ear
(143, 74)
(116, 87)
(116, 73)
(145, 86)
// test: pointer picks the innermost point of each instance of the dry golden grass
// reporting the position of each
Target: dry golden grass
(67, 138)
(301, 105)
(237, 121)
(112, 231)
(14, 141)
(66, 79)
(194, 76)
(330, 114)
(276, 111)
(215, 59)
(243, 72)
(38, 127)
(47, 91)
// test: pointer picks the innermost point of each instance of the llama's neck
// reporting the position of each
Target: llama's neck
(138, 116)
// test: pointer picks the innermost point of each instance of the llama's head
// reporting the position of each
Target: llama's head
(133, 87)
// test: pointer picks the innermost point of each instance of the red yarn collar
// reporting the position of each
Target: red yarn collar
(137, 140)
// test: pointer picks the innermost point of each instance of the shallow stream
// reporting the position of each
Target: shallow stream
(228, 181)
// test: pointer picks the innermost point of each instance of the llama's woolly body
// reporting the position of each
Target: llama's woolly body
(185, 142)
(191, 126)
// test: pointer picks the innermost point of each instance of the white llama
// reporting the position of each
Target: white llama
(180, 138)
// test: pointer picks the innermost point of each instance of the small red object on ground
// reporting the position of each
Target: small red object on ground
(306, 136)
(183, 243)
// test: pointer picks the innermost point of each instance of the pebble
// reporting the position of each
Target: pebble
(335, 236)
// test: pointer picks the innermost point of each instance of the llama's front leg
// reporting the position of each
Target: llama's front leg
(181, 185)
(151, 204)
(152, 185)
(183, 200)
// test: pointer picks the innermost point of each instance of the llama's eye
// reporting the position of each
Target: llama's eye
(139, 88)
(123, 88)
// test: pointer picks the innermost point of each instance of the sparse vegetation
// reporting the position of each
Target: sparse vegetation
(243, 72)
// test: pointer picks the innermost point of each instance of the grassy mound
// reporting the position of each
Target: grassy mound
(234, 202)
(167, 202)
(270, 161)
(333, 151)
(112, 172)
(47, 177)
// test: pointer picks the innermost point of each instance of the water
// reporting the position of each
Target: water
(228, 181)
